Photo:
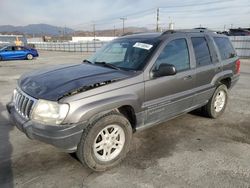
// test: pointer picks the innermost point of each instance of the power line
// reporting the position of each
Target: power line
(141, 12)
(103, 21)
(161, 14)
(151, 10)
(196, 4)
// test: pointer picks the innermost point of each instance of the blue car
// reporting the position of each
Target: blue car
(17, 52)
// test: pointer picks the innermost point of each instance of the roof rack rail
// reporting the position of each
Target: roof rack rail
(195, 30)
(168, 32)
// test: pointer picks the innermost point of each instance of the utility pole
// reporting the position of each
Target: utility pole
(123, 21)
(64, 33)
(94, 35)
(94, 31)
(157, 20)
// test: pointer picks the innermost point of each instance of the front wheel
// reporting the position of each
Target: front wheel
(217, 104)
(105, 142)
(29, 56)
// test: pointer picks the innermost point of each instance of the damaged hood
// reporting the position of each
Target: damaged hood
(57, 82)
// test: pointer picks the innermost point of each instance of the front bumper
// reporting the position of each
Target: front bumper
(63, 137)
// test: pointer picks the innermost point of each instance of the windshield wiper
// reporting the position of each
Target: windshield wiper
(107, 65)
(87, 61)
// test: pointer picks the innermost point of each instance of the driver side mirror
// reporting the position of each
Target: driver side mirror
(164, 70)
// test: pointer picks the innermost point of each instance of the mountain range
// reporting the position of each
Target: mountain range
(36, 29)
(50, 30)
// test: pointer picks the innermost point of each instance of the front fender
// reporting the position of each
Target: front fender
(106, 105)
(89, 110)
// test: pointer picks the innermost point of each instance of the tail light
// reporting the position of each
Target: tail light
(237, 66)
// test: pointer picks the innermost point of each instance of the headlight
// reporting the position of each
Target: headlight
(49, 112)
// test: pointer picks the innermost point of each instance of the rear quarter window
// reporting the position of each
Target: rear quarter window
(225, 47)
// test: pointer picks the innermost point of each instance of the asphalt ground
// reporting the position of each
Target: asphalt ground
(189, 151)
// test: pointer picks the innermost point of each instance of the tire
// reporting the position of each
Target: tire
(217, 104)
(1, 58)
(29, 56)
(112, 149)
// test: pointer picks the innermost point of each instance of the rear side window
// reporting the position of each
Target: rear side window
(9, 48)
(225, 47)
(201, 51)
(19, 48)
(175, 53)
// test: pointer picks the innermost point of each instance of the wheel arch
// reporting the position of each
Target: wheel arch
(126, 110)
(129, 112)
(223, 78)
(127, 105)
(226, 81)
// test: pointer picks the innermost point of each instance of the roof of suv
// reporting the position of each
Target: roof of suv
(168, 32)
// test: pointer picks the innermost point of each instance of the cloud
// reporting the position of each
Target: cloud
(80, 14)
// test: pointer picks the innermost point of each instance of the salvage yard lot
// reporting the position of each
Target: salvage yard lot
(189, 151)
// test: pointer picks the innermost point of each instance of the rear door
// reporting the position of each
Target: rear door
(168, 96)
(207, 65)
(20, 52)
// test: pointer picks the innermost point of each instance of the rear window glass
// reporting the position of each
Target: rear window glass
(225, 47)
(201, 51)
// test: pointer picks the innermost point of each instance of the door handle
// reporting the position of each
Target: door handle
(189, 77)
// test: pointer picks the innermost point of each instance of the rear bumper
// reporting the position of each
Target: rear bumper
(63, 137)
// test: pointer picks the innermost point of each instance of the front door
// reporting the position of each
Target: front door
(169, 96)
(8, 53)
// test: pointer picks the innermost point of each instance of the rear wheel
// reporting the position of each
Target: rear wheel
(29, 56)
(217, 104)
(105, 142)
(1, 58)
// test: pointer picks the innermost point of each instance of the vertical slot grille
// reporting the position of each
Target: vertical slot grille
(23, 103)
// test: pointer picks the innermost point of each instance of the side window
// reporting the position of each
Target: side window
(225, 47)
(9, 48)
(175, 53)
(19, 48)
(201, 51)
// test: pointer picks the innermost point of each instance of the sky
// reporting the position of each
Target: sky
(106, 14)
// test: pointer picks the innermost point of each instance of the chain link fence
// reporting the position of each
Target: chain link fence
(69, 46)
(240, 43)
